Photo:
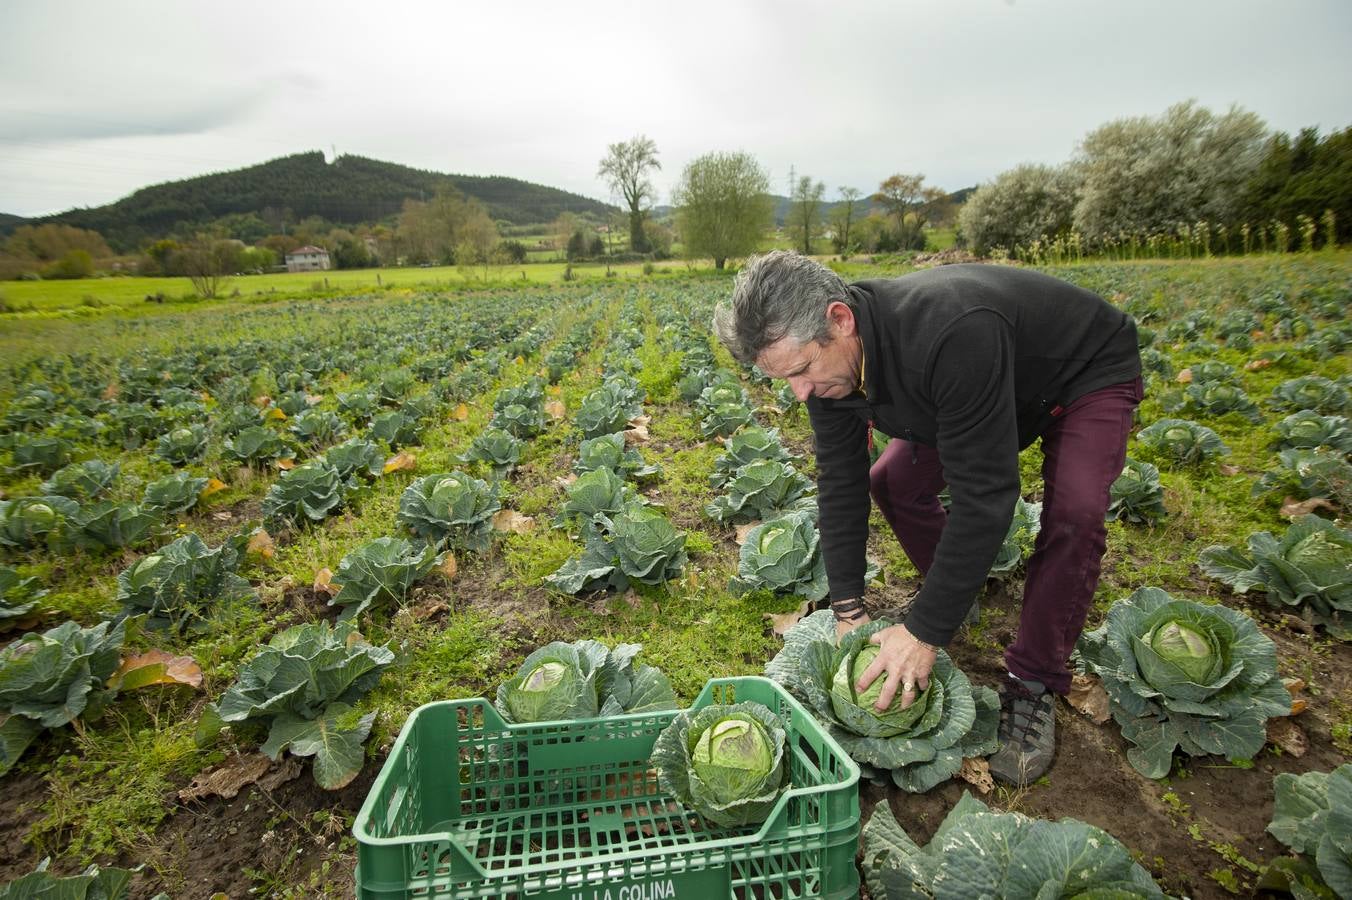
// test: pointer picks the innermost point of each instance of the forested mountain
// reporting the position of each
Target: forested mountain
(349, 191)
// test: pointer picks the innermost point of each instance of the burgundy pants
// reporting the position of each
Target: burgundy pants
(1083, 453)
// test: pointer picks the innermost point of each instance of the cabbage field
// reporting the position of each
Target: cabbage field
(240, 544)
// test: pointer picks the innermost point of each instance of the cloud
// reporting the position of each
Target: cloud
(177, 116)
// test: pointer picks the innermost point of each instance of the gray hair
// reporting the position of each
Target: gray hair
(779, 294)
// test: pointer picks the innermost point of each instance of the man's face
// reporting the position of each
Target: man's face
(829, 370)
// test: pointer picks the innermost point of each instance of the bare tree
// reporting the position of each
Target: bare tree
(625, 168)
(842, 217)
(207, 261)
(804, 220)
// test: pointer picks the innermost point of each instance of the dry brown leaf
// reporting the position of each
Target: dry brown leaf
(461, 413)
(289, 770)
(1296, 623)
(509, 520)
(227, 779)
(780, 623)
(1255, 364)
(1184, 376)
(1286, 734)
(261, 543)
(1089, 698)
(640, 421)
(632, 598)
(214, 486)
(111, 391)
(223, 516)
(742, 531)
(421, 612)
(324, 583)
(156, 667)
(556, 409)
(448, 567)
(286, 465)
(1227, 469)
(262, 400)
(314, 399)
(977, 772)
(638, 434)
(1291, 507)
(771, 410)
(403, 461)
(1296, 688)
(565, 480)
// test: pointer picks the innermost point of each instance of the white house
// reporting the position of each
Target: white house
(307, 259)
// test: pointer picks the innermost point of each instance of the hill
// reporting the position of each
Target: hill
(349, 191)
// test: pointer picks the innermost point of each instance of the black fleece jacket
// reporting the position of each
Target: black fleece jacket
(976, 361)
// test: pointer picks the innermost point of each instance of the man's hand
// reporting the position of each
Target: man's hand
(844, 628)
(905, 660)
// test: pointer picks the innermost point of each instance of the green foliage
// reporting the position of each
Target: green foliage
(977, 852)
(606, 410)
(500, 449)
(173, 494)
(94, 883)
(182, 445)
(726, 763)
(781, 555)
(1309, 568)
(723, 206)
(48, 680)
(1312, 392)
(310, 492)
(109, 525)
(1181, 441)
(356, 456)
(747, 446)
(256, 446)
(1136, 495)
(582, 680)
(1183, 675)
(1308, 430)
(41, 454)
(83, 481)
(1312, 814)
(26, 521)
(610, 451)
(18, 596)
(594, 496)
(761, 490)
(638, 544)
(304, 683)
(1308, 474)
(379, 573)
(182, 585)
(451, 510)
(316, 428)
(920, 746)
(1019, 538)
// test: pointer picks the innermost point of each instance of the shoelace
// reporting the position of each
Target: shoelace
(1021, 706)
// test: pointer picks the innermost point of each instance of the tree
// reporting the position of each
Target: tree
(433, 231)
(207, 260)
(1027, 203)
(1143, 175)
(625, 168)
(804, 220)
(723, 206)
(49, 243)
(911, 205)
(1304, 176)
(842, 217)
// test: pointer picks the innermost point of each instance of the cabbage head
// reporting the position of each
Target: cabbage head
(747, 446)
(450, 509)
(761, 490)
(1184, 675)
(1309, 568)
(583, 680)
(1136, 495)
(919, 746)
(980, 853)
(726, 763)
(782, 555)
(1182, 441)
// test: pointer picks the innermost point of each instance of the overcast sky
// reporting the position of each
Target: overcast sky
(100, 98)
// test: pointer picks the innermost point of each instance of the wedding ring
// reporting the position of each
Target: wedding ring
(907, 687)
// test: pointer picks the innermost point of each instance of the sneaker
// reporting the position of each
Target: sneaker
(1027, 733)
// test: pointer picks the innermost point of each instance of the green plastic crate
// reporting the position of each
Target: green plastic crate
(469, 806)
